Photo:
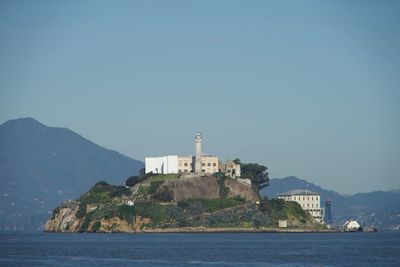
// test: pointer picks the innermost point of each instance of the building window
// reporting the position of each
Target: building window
(214, 164)
(185, 164)
(203, 164)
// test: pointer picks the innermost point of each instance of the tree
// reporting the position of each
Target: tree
(265, 207)
(236, 161)
(257, 173)
(131, 181)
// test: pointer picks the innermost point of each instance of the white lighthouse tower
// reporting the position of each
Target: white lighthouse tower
(197, 157)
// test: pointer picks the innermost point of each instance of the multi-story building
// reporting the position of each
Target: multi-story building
(209, 164)
(308, 200)
(199, 164)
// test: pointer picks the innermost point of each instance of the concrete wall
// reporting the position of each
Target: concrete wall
(162, 165)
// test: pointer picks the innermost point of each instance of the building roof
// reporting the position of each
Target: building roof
(298, 192)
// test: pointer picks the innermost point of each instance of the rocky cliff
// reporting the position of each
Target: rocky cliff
(209, 187)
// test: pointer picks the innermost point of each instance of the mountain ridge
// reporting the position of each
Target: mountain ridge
(42, 166)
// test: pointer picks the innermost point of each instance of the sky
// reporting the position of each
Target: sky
(307, 88)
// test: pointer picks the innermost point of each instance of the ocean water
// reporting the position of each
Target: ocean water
(224, 249)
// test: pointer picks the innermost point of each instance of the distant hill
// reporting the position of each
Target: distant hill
(42, 166)
(378, 208)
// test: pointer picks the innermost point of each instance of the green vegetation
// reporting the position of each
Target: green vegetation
(96, 226)
(146, 209)
(154, 186)
(161, 177)
(152, 210)
(126, 212)
(100, 193)
(149, 177)
(133, 180)
(257, 173)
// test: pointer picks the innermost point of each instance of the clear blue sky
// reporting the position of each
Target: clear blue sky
(309, 88)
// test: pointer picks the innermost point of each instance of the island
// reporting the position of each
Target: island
(173, 203)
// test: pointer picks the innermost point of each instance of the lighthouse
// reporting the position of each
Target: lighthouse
(197, 157)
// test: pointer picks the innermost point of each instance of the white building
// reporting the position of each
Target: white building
(162, 165)
(308, 200)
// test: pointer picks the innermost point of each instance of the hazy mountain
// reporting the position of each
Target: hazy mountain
(42, 166)
(378, 208)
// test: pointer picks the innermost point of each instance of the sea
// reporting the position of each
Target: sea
(200, 249)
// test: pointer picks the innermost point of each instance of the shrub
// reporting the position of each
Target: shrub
(126, 212)
(133, 180)
(265, 206)
(152, 210)
(81, 211)
(119, 191)
(95, 197)
(154, 186)
(257, 173)
(96, 226)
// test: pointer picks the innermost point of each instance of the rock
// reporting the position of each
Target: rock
(243, 189)
(64, 220)
(205, 187)
(190, 188)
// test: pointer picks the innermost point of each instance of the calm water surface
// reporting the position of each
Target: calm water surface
(252, 249)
